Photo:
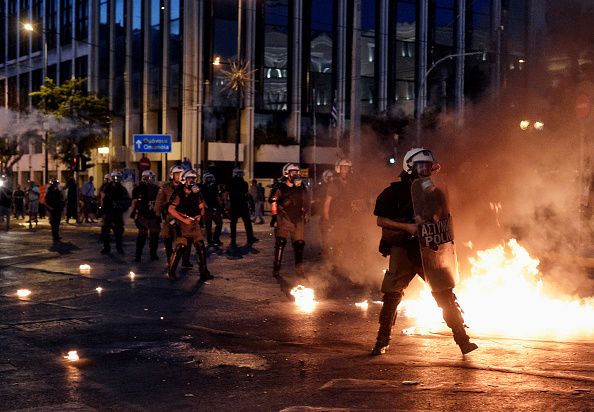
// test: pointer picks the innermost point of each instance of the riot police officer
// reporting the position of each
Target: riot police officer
(143, 213)
(115, 200)
(212, 214)
(238, 197)
(164, 198)
(188, 209)
(395, 215)
(289, 203)
(54, 203)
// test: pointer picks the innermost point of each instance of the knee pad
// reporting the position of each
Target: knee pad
(444, 298)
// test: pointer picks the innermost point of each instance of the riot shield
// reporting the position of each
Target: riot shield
(436, 237)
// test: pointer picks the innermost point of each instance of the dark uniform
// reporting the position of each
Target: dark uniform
(212, 214)
(115, 202)
(54, 202)
(189, 204)
(395, 203)
(147, 221)
(290, 203)
(349, 212)
(238, 192)
(164, 198)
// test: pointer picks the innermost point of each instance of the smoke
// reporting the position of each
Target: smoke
(15, 124)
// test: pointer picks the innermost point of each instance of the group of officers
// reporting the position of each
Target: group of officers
(177, 210)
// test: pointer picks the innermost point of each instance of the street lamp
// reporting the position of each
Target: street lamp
(420, 102)
(31, 29)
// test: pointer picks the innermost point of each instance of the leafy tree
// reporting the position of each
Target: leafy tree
(83, 118)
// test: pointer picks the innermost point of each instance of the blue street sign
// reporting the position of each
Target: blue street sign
(152, 143)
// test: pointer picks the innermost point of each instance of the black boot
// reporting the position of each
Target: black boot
(187, 255)
(168, 248)
(452, 315)
(140, 241)
(298, 251)
(174, 261)
(201, 255)
(154, 245)
(387, 318)
(279, 247)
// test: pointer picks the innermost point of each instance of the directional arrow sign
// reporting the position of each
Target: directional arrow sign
(152, 143)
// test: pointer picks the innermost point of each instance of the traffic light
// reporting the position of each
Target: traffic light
(84, 163)
(74, 163)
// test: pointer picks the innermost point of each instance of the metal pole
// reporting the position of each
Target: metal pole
(46, 135)
(238, 126)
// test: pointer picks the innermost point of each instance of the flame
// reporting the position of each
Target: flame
(132, 275)
(304, 298)
(362, 305)
(504, 296)
(72, 356)
(23, 293)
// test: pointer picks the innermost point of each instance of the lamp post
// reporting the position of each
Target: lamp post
(29, 27)
(420, 102)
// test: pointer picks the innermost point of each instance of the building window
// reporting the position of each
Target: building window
(276, 55)
(65, 22)
(82, 19)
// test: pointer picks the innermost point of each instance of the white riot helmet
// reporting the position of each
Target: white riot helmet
(342, 162)
(417, 154)
(190, 179)
(148, 176)
(175, 169)
(288, 168)
(116, 176)
(327, 176)
(237, 172)
(209, 178)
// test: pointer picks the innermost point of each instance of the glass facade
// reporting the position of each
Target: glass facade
(156, 69)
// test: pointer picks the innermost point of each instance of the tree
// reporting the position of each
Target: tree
(83, 118)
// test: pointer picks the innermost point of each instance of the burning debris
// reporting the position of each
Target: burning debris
(23, 293)
(304, 298)
(84, 269)
(504, 296)
(72, 356)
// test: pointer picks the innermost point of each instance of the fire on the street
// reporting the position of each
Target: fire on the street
(304, 298)
(504, 296)
(84, 269)
(72, 356)
(23, 293)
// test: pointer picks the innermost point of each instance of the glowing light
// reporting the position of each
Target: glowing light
(28, 27)
(103, 150)
(23, 293)
(362, 305)
(72, 356)
(304, 298)
(409, 331)
(504, 296)
(99, 289)
(216, 61)
(84, 269)
(132, 275)
(539, 125)
(524, 124)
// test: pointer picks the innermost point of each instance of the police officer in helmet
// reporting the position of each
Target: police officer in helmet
(188, 208)
(289, 203)
(164, 198)
(115, 201)
(396, 217)
(143, 213)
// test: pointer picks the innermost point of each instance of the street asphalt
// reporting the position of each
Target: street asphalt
(239, 342)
